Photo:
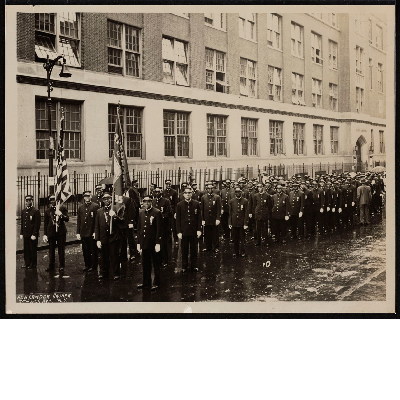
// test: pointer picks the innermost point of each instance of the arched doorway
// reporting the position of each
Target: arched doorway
(361, 153)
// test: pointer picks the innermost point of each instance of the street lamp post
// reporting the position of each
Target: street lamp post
(48, 66)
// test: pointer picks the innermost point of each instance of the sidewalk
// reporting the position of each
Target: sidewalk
(71, 235)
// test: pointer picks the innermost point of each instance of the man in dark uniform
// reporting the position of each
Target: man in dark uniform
(317, 208)
(308, 206)
(364, 198)
(353, 203)
(149, 233)
(238, 221)
(184, 185)
(172, 196)
(346, 200)
(225, 209)
(280, 213)
(197, 194)
(296, 202)
(97, 198)
(260, 211)
(85, 231)
(164, 205)
(55, 235)
(211, 214)
(215, 188)
(188, 226)
(326, 193)
(107, 235)
(30, 225)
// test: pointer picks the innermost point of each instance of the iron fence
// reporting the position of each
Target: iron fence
(38, 186)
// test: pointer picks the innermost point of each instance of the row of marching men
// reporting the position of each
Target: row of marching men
(263, 210)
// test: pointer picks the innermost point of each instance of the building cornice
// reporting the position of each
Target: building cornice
(33, 80)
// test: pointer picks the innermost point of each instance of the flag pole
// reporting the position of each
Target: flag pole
(60, 143)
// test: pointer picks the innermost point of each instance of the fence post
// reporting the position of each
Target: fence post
(342, 167)
(312, 170)
(303, 168)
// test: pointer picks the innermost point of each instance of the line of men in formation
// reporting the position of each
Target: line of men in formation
(264, 209)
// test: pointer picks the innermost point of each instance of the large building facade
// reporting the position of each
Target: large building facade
(204, 90)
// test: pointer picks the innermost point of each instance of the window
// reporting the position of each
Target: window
(333, 54)
(317, 93)
(379, 37)
(297, 33)
(249, 137)
(358, 25)
(298, 139)
(248, 78)
(381, 143)
(359, 100)
(247, 26)
(72, 128)
(175, 62)
(318, 139)
(298, 89)
(276, 137)
(58, 34)
(216, 135)
(380, 78)
(176, 134)
(334, 139)
(215, 71)
(372, 140)
(316, 48)
(333, 19)
(371, 66)
(217, 20)
(131, 123)
(274, 31)
(370, 31)
(123, 49)
(274, 83)
(359, 60)
(333, 97)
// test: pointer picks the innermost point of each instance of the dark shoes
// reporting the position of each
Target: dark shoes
(101, 276)
(154, 287)
(141, 286)
(243, 255)
(85, 269)
(216, 251)
(61, 269)
(49, 269)
(116, 277)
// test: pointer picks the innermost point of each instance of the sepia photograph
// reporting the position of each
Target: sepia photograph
(210, 159)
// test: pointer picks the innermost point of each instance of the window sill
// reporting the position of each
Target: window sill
(214, 27)
(250, 40)
(315, 63)
(333, 69)
(275, 48)
(300, 58)
(377, 48)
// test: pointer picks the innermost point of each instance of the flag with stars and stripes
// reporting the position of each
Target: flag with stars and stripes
(119, 164)
(63, 190)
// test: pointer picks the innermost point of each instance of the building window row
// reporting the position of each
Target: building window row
(175, 62)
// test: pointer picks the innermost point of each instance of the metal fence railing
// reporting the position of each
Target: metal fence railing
(38, 186)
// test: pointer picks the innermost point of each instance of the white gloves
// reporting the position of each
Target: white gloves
(286, 218)
(78, 236)
(112, 213)
(352, 203)
(230, 226)
(333, 209)
(222, 211)
(179, 235)
(138, 248)
(198, 234)
(175, 215)
(250, 215)
(158, 248)
(203, 223)
(99, 244)
(33, 237)
(245, 227)
(94, 236)
(321, 210)
(130, 226)
(345, 205)
(21, 236)
(58, 212)
(217, 222)
(300, 214)
(328, 208)
(340, 210)
(45, 239)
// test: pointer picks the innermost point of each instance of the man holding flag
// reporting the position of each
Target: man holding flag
(56, 215)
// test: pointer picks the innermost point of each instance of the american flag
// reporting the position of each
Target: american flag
(119, 166)
(63, 190)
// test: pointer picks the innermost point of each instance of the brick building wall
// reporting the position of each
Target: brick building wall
(152, 47)
(25, 36)
(197, 52)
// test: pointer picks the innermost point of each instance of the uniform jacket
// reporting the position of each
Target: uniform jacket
(296, 202)
(318, 199)
(50, 222)
(210, 208)
(164, 205)
(129, 214)
(96, 199)
(239, 212)
(347, 196)
(172, 196)
(188, 217)
(262, 206)
(336, 198)
(225, 200)
(149, 228)
(364, 195)
(216, 191)
(133, 193)
(252, 193)
(86, 219)
(327, 197)
(30, 222)
(308, 199)
(197, 195)
(280, 206)
(102, 225)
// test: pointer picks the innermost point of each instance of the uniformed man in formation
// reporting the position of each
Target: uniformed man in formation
(301, 205)
(30, 225)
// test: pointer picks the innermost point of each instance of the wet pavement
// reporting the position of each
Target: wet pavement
(346, 265)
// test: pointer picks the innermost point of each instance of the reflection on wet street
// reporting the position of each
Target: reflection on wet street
(344, 265)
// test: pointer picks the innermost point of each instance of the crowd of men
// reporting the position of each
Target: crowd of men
(259, 211)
